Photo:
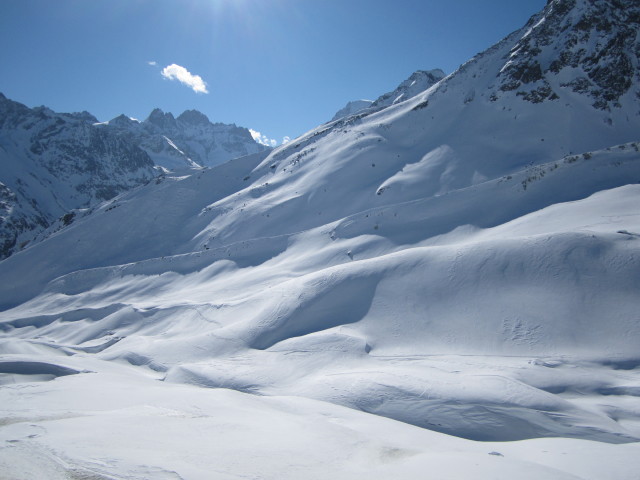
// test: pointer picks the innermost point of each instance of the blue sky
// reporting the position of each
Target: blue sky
(280, 67)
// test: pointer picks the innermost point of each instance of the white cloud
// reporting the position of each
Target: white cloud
(262, 139)
(286, 140)
(152, 63)
(176, 72)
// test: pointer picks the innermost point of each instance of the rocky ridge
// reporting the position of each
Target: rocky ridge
(190, 140)
(588, 48)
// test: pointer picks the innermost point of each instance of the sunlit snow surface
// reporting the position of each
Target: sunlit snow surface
(445, 288)
(514, 332)
(115, 423)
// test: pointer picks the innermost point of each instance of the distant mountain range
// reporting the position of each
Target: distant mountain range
(52, 163)
(190, 140)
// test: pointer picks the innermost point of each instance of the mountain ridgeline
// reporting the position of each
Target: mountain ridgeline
(190, 140)
(53, 163)
(418, 82)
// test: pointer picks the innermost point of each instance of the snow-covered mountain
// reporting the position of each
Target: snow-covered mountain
(418, 82)
(465, 261)
(352, 107)
(52, 163)
(190, 140)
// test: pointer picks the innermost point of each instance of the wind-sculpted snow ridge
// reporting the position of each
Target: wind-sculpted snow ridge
(390, 294)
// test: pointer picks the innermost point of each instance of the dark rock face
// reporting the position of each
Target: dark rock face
(593, 42)
(161, 120)
(89, 150)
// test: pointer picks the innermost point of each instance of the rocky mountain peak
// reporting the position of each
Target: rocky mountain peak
(589, 47)
(11, 112)
(193, 117)
(84, 116)
(418, 82)
(122, 121)
(433, 76)
(160, 119)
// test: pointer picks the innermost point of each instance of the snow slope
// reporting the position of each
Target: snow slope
(458, 269)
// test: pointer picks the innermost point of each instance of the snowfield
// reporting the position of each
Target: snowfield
(114, 423)
(443, 288)
(515, 332)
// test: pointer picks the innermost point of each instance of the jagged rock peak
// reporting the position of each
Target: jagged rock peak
(122, 121)
(193, 117)
(84, 116)
(434, 76)
(587, 46)
(159, 118)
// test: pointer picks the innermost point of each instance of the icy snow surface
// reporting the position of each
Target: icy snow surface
(445, 288)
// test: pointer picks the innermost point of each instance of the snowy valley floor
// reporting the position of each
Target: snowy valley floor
(342, 351)
(113, 421)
